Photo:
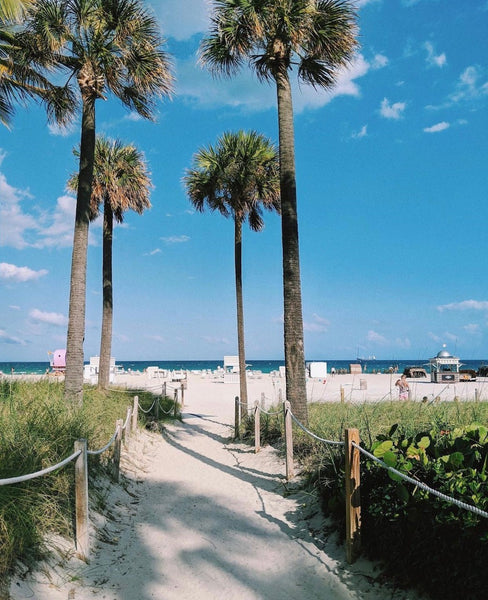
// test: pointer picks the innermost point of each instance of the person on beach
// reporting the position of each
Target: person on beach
(403, 388)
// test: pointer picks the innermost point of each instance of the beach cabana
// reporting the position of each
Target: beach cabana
(444, 368)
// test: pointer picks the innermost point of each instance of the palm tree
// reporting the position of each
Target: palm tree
(103, 46)
(21, 80)
(317, 37)
(121, 181)
(238, 178)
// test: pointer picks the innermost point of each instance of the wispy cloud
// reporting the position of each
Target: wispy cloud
(317, 325)
(19, 274)
(437, 127)
(472, 328)
(376, 338)
(392, 111)
(481, 305)
(363, 132)
(51, 318)
(153, 252)
(5, 338)
(176, 239)
(433, 59)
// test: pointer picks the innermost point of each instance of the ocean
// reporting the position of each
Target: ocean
(266, 366)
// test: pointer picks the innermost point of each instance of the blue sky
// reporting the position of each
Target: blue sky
(392, 199)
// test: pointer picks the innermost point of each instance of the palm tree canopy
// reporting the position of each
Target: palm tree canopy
(104, 45)
(317, 36)
(237, 177)
(120, 177)
(12, 10)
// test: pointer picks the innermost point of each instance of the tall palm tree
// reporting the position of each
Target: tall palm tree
(317, 37)
(121, 182)
(237, 177)
(21, 80)
(103, 46)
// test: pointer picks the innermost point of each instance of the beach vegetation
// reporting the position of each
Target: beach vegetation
(421, 541)
(316, 38)
(238, 177)
(121, 182)
(102, 46)
(37, 430)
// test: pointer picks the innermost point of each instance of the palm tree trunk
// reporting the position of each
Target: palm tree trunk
(73, 385)
(107, 312)
(296, 386)
(240, 312)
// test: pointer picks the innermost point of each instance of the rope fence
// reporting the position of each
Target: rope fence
(352, 452)
(122, 433)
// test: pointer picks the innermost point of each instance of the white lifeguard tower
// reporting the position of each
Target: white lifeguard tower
(444, 368)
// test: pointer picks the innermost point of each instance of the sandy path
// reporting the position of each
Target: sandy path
(204, 517)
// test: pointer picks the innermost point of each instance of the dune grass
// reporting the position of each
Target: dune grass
(38, 429)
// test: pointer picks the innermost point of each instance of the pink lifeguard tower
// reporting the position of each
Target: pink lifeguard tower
(58, 361)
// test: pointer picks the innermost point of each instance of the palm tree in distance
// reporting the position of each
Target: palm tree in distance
(103, 46)
(121, 182)
(317, 37)
(238, 177)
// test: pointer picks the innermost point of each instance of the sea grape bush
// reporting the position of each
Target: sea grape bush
(421, 540)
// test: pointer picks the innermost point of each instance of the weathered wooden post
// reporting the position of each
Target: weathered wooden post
(175, 405)
(156, 408)
(342, 394)
(163, 390)
(135, 413)
(263, 400)
(288, 440)
(127, 426)
(175, 397)
(182, 394)
(476, 396)
(280, 395)
(353, 498)
(117, 444)
(237, 417)
(257, 427)
(81, 500)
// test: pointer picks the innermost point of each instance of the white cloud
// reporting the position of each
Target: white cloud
(472, 328)
(392, 111)
(379, 61)
(14, 222)
(21, 274)
(156, 338)
(181, 20)
(153, 252)
(59, 233)
(5, 338)
(465, 305)
(437, 127)
(470, 85)
(176, 239)
(363, 132)
(377, 338)
(403, 343)
(244, 91)
(50, 318)
(433, 59)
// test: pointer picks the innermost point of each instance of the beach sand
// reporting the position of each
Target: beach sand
(201, 516)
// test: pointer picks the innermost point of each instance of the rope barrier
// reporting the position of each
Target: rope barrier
(166, 412)
(106, 447)
(40, 473)
(149, 409)
(129, 415)
(330, 442)
(421, 485)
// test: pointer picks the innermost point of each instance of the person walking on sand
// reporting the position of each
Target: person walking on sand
(403, 388)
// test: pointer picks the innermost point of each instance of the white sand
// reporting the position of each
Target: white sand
(200, 516)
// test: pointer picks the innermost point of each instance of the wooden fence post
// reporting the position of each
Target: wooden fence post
(263, 400)
(116, 458)
(81, 500)
(163, 390)
(182, 394)
(175, 405)
(353, 499)
(257, 427)
(237, 417)
(288, 440)
(342, 394)
(127, 426)
(135, 413)
(476, 396)
(156, 408)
